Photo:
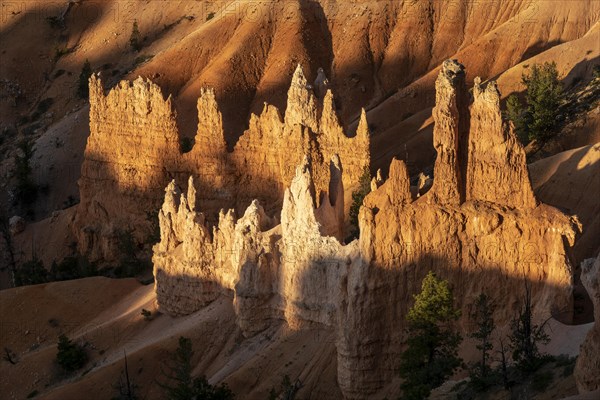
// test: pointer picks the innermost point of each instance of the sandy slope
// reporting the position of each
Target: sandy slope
(247, 51)
(571, 181)
(105, 315)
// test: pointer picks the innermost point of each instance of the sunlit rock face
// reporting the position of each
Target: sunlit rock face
(588, 362)
(288, 271)
(133, 151)
(480, 238)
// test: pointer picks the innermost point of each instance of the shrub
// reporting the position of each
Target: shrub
(31, 273)
(73, 267)
(146, 314)
(210, 16)
(186, 144)
(596, 72)
(83, 88)
(70, 355)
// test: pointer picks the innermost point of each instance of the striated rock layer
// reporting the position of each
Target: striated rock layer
(133, 152)
(481, 238)
(587, 369)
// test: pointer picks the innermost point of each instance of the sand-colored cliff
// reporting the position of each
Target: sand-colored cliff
(494, 241)
(133, 151)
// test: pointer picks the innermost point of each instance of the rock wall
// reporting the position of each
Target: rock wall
(133, 151)
(494, 241)
(588, 363)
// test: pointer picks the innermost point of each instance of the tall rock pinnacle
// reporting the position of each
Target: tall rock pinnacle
(449, 86)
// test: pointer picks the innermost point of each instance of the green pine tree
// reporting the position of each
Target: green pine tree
(181, 385)
(432, 352)
(484, 318)
(544, 93)
(525, 337)
(518, 115)
(135, 40)
(70, 355)
(83, 88)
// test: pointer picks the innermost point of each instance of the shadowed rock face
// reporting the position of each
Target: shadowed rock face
(133, 152)
(480, 238)
(588, 362)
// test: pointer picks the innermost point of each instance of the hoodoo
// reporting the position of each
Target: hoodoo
(482, 238)
(133, 151)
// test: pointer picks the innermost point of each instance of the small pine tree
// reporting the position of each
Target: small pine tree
(525, 337)
(83, 88)
(364, 188)
(183, 386)
(70, 355)
(544, 93)
(26, 188)
(126, 387)
(135, 40)
(432, 353)
(484, 318)
(517, 114)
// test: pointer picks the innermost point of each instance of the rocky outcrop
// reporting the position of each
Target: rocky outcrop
(286, 272)
(299, 272)
(587, 369)
(496, 166)
(133, 152)
(448, 116)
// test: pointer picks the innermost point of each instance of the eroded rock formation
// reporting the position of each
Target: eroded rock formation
(481, 239)
(587, 368)
(133, 152)
(288, 271)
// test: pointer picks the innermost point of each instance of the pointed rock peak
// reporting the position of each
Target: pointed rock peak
(490, 94)
(191, 194)
(450, 132)
(298, 79)
(210, 135)
(302, 185)
(336, 163)
(172, 197)
(256, 218)
(496, 168)
(330, 123)
(363, 126)
(452, 72)
(96, 89)
(301, 103)
(398, 184)
(328, 103)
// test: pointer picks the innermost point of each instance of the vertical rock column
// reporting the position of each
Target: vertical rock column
(450, 90)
